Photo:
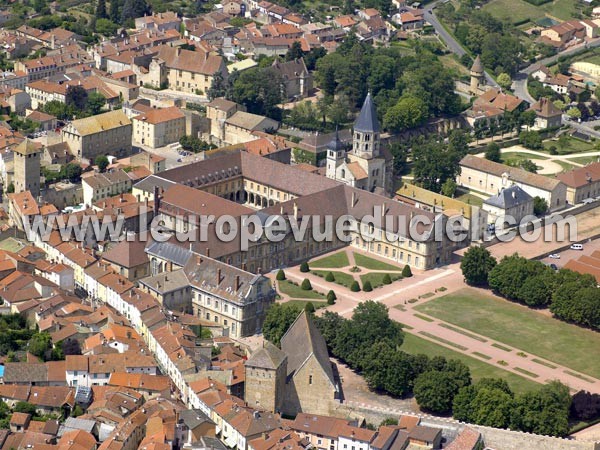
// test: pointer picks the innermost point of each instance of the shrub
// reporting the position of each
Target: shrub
(354, 287)
(280, 275)
(367, 286)
(406, 272)
(331, 298)
(306, 286)
(304, 267)
(309, 307)
(552, 150)
(387, 279)
(329, 277)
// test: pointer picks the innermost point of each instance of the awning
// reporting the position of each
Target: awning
(230, 441)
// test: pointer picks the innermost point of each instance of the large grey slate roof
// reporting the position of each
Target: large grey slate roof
(267, 357)
(509, 198)
(367, 119)
(169, 251)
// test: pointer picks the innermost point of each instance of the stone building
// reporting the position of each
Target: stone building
(512, 202)
(367, 166)
(297, 378)
(477, 76)
(159, 127)
(27, 167)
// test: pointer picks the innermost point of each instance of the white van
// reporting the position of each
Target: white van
(576, 247)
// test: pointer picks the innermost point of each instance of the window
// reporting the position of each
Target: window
(310, 379)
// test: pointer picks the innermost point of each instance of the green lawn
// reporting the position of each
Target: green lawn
(334, 261)
(302, 303)
(341, 278)
(376, 278)
(374, 264)
(479, 369)
(585, 159)
(294, 291)
(469, 198)
(513, 10)
(573, 146)
(516, 326)
(561, 9)
(520, 155)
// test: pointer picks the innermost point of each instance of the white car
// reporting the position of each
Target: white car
(576, 247)
(554, 256)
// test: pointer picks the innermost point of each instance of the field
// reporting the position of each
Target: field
(468, 198)
(297, 292)
(522, 328)
(479, 369)
(517, 10)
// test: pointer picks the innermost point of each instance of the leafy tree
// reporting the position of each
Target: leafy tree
(409, 112)
(540, 206)
(278, 319)
(530, 139)
(219, 87)
(101, 10)
(40, 344)
(585, 406)
(406, 272)
(331, 297)
(259, 90)
(504, 80)
(329, 277)
(294, 52)
(528, 165)
(280, 275)
(102, 162)
(58, 109)
(134, 8)
(77, 411)
(476, 264)
(449, 187)
(367, 286)
(574, 113)
(434, 163)
(10, 189)
(25, 407)
(70, 347)
(354, 287)
(389, 369)
(306, 286)
(435, 390)
(76, 97)
(311, 58)
(492, 152)
(95, 103)
(115, 11)
(304, 267)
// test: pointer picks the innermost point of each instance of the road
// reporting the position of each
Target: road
(452, 44)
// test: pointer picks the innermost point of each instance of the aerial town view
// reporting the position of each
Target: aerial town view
(302, 225)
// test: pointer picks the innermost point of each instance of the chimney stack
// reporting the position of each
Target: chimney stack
(218, 277)
(208, 252)
(295, 210)
(156, 200)
(237, 282)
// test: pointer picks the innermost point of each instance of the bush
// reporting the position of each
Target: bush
(280, 275)
(331, 298)
(552, 150)
(386, 279)
(329, 277)
(354, 287)
(367, 286)
(306, 286)
(406, 272)
(309, 308)
(304, 267)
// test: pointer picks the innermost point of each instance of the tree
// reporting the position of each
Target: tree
(574, 113)
(530, 139)
(504, 80)
(331, 297)
(280, 275)
(10, 189)
(40, 344)
(354, 287)
(304, 267)
(386, 279)
(25, 407)
(434, 163)
(406, 272)
(435, 390)
(585, 406)
(106, 27)
(492, 152)
(77, 411)
(76, 97)
(329, 277)
(102, 162)
(309, 308)
(409, 112)
(449, 187)
(545, 411)
(528, 165)
(278, 319)
(95, 103)
(259, 90)
(476, 264)
(528, 118)
(294, 52)
(540, 206)
(101, 10)
(115, 11)
(306, 286)
(510, 274)
(132, 9)
(367, 286)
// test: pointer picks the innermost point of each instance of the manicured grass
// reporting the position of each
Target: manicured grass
(479, 369)
(561, 9)
(481, 355)
(294, 291)
(513, 10)
(376, 278)
(374, 264)
(519, 156)
(341, 278)
(543, 363)
(334, 261)
(573, 145)
(502, 347)
(463, 332)
(442, 340)
(422, 317)
(469, 198)
(527, 372)
(302, 303)
(584, 159)
(577, 375)
(517, 326)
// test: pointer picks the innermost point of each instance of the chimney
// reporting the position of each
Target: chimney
(237, 282)
(383, 209)
(156, 200)
(244, 266)
(295, 210)
(353, 199)
(208, 252)
(198, 259)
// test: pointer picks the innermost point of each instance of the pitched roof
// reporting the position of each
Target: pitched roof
(581, 176)
(303, 340)
(127, 253)
(509, 198)
(513, 173)
(267, 357)
(160, 115)
(101, 122)
(467, 439)
(545, 108)
(190, 61)
(367, 119)
(477, 66)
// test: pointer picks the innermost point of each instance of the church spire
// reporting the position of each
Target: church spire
(367, 119)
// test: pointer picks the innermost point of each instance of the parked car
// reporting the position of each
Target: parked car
(553, 267)
(576, 247)
(554, 256)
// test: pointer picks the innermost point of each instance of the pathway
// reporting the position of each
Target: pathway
(396, 297)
